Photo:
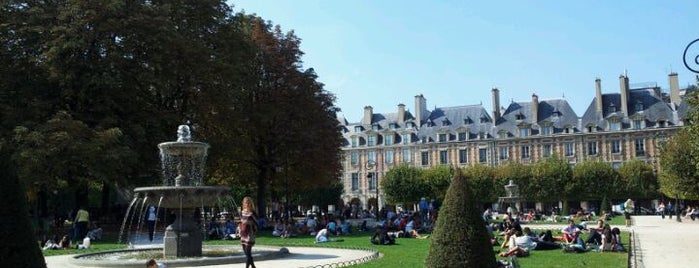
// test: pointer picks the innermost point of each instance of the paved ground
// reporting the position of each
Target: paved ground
(660, 243)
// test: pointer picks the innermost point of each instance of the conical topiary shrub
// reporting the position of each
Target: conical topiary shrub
(460, 238)
(19, 248)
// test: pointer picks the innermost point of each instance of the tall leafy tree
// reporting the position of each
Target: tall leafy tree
(438, 179)
(404, 184)
(481, 180)
(678, 176)
(520, 175)
(638, 179)
(549, 179)
(594, 180)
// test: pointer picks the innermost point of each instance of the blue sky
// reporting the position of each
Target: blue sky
(382, 53)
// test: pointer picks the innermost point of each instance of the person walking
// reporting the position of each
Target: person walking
(151, 216)
(661, 209)
(629, 208)
(82, 218)
(248, 228)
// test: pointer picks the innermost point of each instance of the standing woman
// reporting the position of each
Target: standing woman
(248, 228)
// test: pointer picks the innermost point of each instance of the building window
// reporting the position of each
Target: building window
(389, 156)
(355, 141)
(355, 181)
(425, 158)
(372, 180)
(547, 130)
(406, 138)
(637, 124)
(615, 126)
(442, 137)
(525, 152)
(354, 158)
(504, 153)
(371, 156)
(406, 156)
(639, 145)
(662, 123)
(358, 129)
(409, 125)
(547, 150)
(590, 129)
(639, 107)
(592, 148)
(462, 136)
(523, 132)
(388, 139)
(570, 148)
(482, 155)
(616, 146)
(443, 159)
(463, 156)
(375, 127)
(371, 140)
(392, 126)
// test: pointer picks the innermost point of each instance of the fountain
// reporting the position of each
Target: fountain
(183, 164)
(182, 191)
(512, 196)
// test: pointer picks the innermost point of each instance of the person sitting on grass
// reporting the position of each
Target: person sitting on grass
(595, 236)
(520, 249)
(571, 232)
(411, 230)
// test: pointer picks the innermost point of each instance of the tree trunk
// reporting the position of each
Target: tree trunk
(261, 192)
(106, 191)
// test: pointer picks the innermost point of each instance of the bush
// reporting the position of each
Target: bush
(19, 247)
(460, 238)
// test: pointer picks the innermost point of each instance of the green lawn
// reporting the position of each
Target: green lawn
(408, 252)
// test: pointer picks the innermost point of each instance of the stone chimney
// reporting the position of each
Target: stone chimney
(401, 113)
(420, 109)
(598, 97)
(368, 114)
(674, 89)
(624, 86)
(496, 104)
(535, 109)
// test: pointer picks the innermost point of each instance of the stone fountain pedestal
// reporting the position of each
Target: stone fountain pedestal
(183, 238)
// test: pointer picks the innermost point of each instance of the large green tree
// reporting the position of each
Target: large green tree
(520, 174)
(593, 180)
(549, 179)
(438, 179)
(481, 180)
(678, 176)
(404, 184)
(638, 180)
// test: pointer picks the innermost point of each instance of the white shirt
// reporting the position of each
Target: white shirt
(151, 213)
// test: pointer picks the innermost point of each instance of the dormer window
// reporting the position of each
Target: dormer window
(568, 130)
(639, 106)
(375, 127)
(424, 139)
(406, 138)
(442, 137)
(590, 129)
(463, 136)
(388, 140)
(484, 119)
(638, 124)
(409, 125)
(357, 128)
(355, 141)
(547, 130)
(556, 113)
(392, 126)
(615, 125)
(523, 132)
(662, 123)
(612, 108)
(481, 135)
(467, 121)
(445, 122)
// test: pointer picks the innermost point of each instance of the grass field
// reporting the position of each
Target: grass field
(406, 252)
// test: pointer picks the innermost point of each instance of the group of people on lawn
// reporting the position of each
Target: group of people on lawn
(520, 241)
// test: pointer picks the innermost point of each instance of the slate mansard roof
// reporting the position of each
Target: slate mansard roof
(552, 112)
(644, 103)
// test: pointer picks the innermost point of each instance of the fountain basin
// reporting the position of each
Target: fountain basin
(182, 196)
(212, 255)
(184, 148)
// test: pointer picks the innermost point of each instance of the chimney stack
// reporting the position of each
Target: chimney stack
(624, 85)
(674, 89)
(496, 105)
(401, 113)
(598, 97)
(535, 109)
(420, 109)
(368, 114)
